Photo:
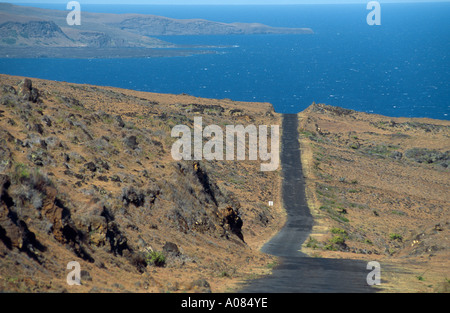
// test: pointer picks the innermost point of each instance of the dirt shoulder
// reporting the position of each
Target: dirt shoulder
(378, 190)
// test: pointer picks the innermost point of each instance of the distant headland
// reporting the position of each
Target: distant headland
(23, 27)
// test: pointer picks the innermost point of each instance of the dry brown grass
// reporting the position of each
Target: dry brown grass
(389, 207)
(83, 119)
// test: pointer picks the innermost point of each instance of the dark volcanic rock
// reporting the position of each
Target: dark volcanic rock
(33, 29)
(201, 285)
(119, 121)
(232, 221)
(428, 156)
(171, 249)
(131, 142)
(27, 92)
(91, 166)
(131, 196)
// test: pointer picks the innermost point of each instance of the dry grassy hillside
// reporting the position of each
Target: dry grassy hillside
(379, 190)
(86, 175)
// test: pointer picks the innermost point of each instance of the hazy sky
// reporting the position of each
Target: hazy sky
(217, 1)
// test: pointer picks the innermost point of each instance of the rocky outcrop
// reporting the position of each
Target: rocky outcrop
(27, 92)
(33, 33)
(423, 155)
(95, 39)
(32, 194)
(81, 182)
(231, 222)
(14, 231)
(200, 205)
(329, 109)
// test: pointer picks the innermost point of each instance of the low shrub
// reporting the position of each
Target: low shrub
(155, 258)
(395, 236)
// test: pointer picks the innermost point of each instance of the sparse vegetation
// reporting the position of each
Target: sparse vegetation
(155, 258)
(395, 236)
(371, 190)
(397, 212)
(21, 172)
(423, 155)
(337, 240)
(97, 181)
(339, 231)
(312, 243)
(272, 265)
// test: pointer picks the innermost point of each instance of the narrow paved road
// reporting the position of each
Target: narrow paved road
(298, 272)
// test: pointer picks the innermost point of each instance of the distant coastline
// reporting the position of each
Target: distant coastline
(343, 64)
(108, 35)
(96, 53)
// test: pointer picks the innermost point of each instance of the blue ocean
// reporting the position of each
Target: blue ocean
(400, 68)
